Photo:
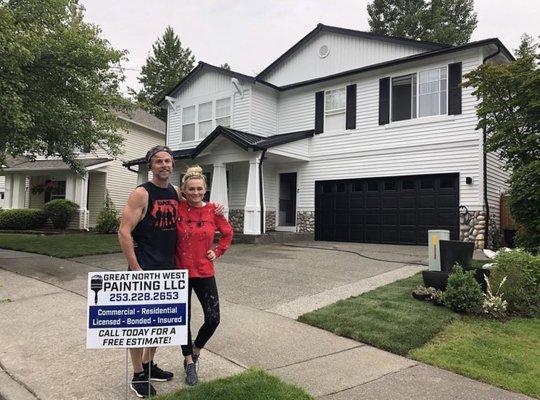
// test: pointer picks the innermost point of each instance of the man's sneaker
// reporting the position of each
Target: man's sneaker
(155, 373)
(142, 387)
(191, 374)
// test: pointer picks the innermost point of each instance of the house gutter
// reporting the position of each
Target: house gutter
(484, 153)
(261, 189)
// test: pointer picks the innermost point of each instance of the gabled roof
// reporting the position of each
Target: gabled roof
(28, 165)
(202, 66)
(243, 139)
(350, 32)
(145, 119)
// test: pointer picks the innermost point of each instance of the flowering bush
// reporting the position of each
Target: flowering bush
(494, 305)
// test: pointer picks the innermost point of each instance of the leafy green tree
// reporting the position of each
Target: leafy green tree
(168, 64)
(59, 81)
(509, 112)
(441, 21)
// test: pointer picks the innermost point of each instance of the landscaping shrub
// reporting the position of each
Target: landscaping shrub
(107, 220)
(521, 289)
(60, 212)
(21, 219)
(463, 293)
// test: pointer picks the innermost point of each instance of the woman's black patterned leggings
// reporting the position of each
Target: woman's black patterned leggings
(206, 291)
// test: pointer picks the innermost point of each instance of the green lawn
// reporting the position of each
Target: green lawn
(250, 385)
(388, 317)
(504, 354)
(61, 245)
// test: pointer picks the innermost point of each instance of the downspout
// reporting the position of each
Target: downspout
(484, 152)
(261, 189)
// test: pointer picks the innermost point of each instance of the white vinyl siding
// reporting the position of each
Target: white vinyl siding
(242, 111)
(96, 195)
(264, 111)
(238, 177)
(497, 184)
(346, 53)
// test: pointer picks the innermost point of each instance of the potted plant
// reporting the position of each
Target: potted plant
(422, 293)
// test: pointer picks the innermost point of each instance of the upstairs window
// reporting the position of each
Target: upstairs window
(420, 94)
(334, 110)
(188, 124)
(432, 92)
(223, 112)
(205, 119)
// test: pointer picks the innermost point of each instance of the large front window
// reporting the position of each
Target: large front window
(205, 119)
(198, 121)
(334, 110)
(419, 95)
(223, 112)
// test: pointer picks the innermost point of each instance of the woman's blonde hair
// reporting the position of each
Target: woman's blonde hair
(193, 172)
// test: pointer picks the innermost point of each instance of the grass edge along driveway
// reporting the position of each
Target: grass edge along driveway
(504, 354)
(64, 245)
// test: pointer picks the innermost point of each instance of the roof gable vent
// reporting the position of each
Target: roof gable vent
(324, 50)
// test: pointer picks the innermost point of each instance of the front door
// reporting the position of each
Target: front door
(287, 199)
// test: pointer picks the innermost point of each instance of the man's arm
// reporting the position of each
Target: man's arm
(132, 214)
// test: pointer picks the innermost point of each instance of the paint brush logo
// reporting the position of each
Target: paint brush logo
(96, 284)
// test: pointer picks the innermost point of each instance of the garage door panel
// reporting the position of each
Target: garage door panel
(387, 210)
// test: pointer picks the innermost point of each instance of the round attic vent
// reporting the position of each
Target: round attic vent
(324, 50)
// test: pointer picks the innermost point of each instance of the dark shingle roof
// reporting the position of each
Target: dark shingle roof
(144, 118)
(243, 139)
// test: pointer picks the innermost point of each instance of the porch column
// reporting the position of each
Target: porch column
(18, 192)
(8, 194)
(142, 175)
(252, 209)
(218, 191)
(71, 181)
(81, 198)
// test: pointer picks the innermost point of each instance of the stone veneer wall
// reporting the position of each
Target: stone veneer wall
(236, 219)
(472, 228)
(270, 221)
(305, 221)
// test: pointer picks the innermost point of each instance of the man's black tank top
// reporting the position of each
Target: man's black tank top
(155, 234)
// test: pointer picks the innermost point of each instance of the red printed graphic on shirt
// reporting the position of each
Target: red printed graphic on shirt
(164, 213)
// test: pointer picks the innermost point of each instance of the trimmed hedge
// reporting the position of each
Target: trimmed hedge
(22, 219)
(60, 212)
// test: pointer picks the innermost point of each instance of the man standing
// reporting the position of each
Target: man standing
(148, 241)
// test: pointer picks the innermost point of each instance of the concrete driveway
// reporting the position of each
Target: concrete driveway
(263, 288)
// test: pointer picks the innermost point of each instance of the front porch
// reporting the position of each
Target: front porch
(31, 184)
(254, 177)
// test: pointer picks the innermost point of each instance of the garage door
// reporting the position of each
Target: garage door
(397, 210)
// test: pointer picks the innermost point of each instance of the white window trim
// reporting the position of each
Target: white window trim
(336, 111)
(229, 115)
(414, 120)
(213, 118)
(184, 124)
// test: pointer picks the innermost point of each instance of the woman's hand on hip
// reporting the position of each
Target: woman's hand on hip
(211, 255)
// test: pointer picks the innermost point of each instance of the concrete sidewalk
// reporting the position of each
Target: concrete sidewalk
(43, 355)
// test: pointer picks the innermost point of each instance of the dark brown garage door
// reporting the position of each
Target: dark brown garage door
(397, 210)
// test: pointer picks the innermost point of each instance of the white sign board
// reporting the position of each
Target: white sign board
(137, 309)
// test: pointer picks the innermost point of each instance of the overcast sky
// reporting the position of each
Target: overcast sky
(250, 34)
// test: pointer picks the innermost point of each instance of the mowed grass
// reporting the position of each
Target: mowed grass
(61, 245)
(505, 354)
(388, 317)
(253, 384)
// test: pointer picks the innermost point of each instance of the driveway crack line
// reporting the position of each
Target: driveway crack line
(21, 383)
(317, 357)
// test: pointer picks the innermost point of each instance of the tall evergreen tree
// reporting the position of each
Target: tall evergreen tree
(441, 21)
(168, 64)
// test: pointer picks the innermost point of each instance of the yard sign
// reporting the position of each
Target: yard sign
(137, 309)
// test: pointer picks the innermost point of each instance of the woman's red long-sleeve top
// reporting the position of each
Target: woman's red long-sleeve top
(195, 229)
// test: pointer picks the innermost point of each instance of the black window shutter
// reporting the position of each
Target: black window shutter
(454, 88)
(319, 112)
(384, 101)
(350, 115)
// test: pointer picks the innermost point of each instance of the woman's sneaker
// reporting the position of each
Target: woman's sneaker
(155, 373)
(141, 386)
(191, 374)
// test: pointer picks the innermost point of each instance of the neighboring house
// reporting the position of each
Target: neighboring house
(30, 184)
(351, 135)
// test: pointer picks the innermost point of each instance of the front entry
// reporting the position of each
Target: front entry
(287, 200)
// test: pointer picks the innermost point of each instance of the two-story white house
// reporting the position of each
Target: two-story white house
(351, 135)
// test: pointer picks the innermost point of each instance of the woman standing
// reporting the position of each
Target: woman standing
(195, 251)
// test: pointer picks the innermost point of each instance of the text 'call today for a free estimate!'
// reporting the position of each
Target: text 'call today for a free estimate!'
(137, 309)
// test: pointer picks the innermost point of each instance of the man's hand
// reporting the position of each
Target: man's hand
(220, 210)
